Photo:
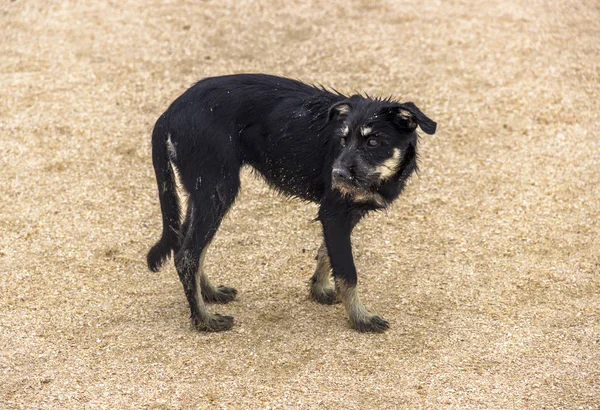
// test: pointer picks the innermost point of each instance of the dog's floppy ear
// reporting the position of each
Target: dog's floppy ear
(410, 116)
(339, 109)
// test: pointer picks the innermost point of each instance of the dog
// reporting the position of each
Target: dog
(351, 155)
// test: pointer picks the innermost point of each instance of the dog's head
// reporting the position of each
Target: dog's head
(377, 147)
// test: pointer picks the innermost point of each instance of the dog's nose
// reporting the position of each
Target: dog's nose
(340, 173)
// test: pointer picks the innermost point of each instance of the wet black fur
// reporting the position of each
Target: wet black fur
(290, 133)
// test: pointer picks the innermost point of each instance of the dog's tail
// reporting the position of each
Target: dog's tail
(167, 193)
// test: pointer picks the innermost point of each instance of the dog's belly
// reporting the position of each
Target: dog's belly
(286, 179)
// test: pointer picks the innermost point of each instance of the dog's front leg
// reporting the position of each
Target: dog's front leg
(320, 288)
(337, 228)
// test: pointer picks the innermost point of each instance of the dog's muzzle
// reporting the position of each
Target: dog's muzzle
(343, 181)
(341, 175)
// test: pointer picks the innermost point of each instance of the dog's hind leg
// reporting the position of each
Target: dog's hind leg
(206, 208)
(210, 292)
(320, 287)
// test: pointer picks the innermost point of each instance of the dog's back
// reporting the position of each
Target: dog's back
(273, 124)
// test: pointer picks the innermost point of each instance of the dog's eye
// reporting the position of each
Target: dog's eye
(343, 141)
(372, 142)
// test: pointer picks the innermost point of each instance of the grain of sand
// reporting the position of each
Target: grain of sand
(488, 267)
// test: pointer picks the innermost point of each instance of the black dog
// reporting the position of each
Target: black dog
(351, 155)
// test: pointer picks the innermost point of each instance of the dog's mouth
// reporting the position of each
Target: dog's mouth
(358, 194)
(356, 188)
(345, 186)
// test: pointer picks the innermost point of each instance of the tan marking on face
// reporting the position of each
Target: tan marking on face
(361, 196)
(405, 114)
(378, 199)
(364, 130)
(343, 189)
(345, 130)
(390, 166)
(370, 197)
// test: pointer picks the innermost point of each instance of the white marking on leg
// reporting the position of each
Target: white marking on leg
(323, 269)
(203, 284)
(357, 312)
(171, 151)
(320, 287)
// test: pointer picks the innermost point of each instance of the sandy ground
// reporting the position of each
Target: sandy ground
(488, 267)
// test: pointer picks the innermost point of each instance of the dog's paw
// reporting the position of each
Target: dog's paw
(325, 296)
(214, 323)
(220, 294)
(371, 324)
